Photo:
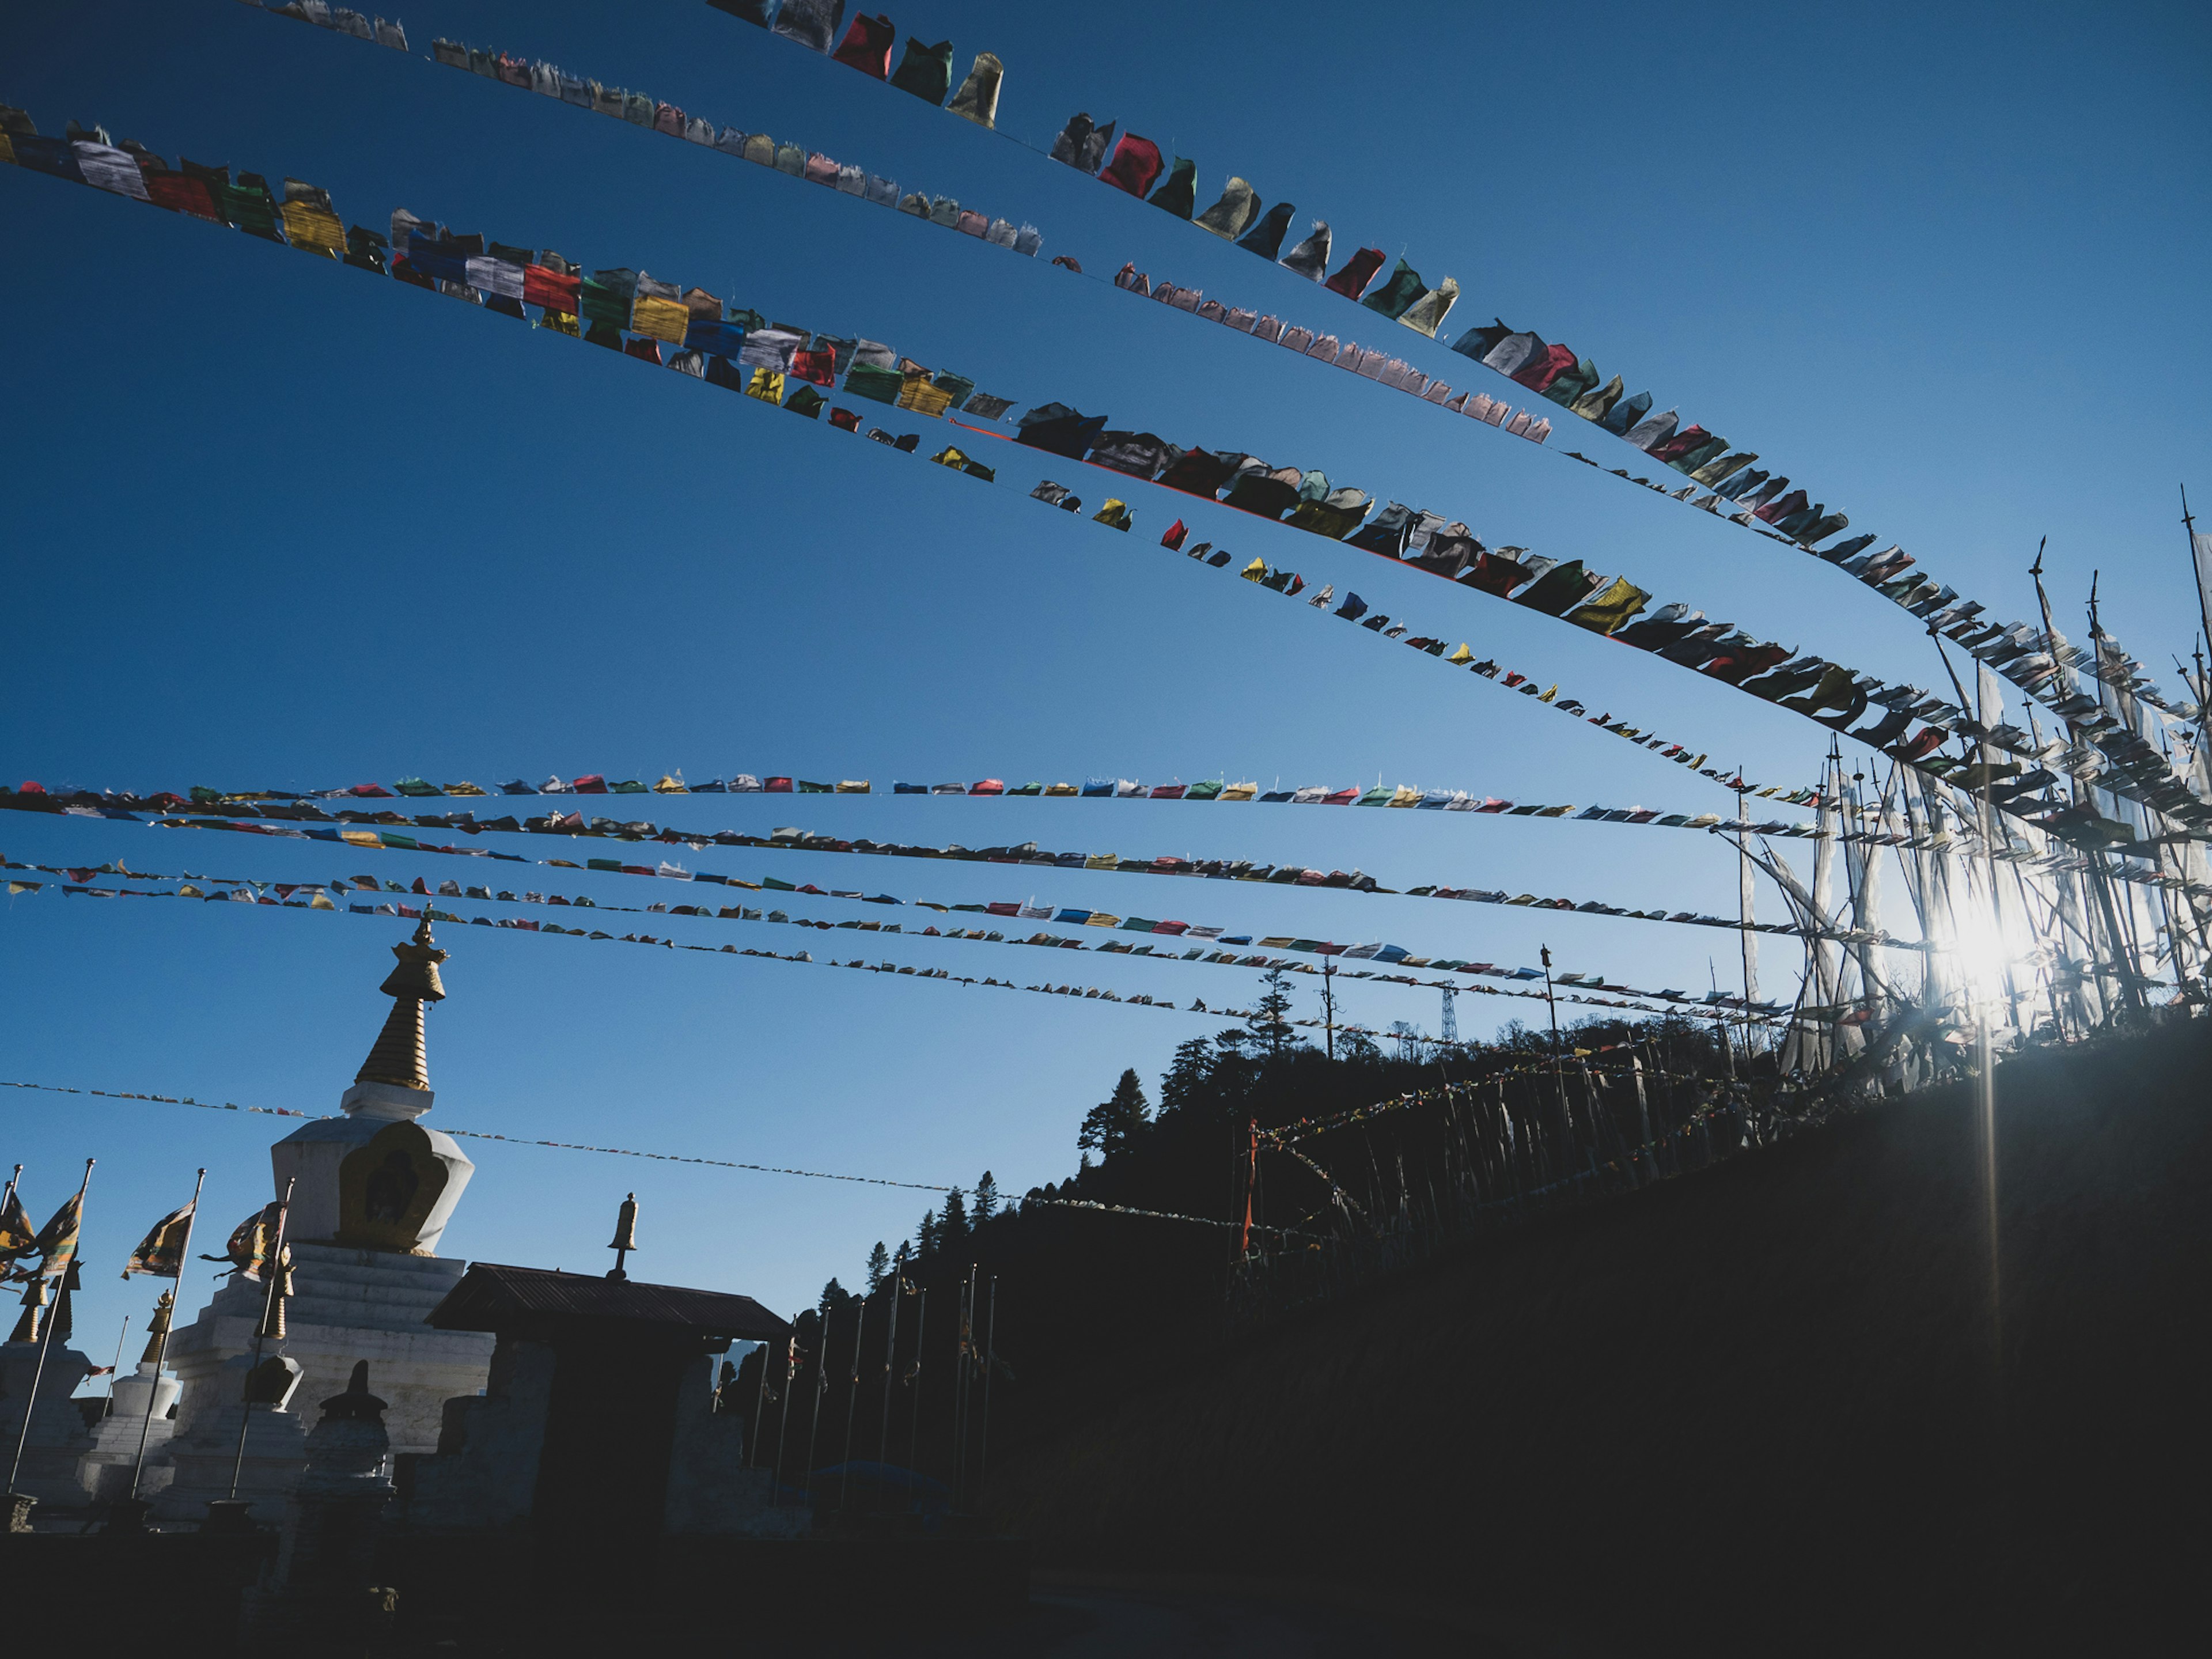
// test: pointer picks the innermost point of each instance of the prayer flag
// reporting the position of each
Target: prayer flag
(161, 1254)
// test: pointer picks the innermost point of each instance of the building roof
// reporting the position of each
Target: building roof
(490, 1298)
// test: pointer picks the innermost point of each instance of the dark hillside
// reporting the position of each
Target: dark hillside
(1753, 1410)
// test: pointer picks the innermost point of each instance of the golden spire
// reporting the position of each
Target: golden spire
(398, 1056)
(163, 1310)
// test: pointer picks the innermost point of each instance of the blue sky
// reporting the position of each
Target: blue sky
(276, 523)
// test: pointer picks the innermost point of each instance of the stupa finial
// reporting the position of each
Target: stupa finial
(399, 1056)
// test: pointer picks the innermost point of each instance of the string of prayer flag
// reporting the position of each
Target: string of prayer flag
(1807, 685)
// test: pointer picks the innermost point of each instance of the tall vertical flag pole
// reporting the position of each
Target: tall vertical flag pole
(914, 1429)
(121, 1336)
(1328, 1002)
(890, 1354)
(275, 1271)
(853, 1397)
(162, 1348)
(990, 1364)
(45, 1345)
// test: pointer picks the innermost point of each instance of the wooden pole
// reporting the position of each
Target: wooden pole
(853, 1400)
(962, 1343)
(783, 1409)
(913, 1430)
(760, 1398)
(990, 1364)
(161, 1347)
(890, 1354)
(821, 1387)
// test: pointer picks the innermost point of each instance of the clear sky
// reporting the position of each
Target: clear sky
(273, 523)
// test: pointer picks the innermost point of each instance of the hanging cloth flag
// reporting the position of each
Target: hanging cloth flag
(1426, 314)
(1135, 165)
(812, 23)
(161, 1254)
(977, 100)
(924, 71)
(1395, 297)
(56, 1240)
(1358, 270)
(251, 1241)
(1266, 236)
(16, 1237)
(309, 221)
(867, 45)
(1236, 209)
(1179, 194)
(1310, 259)
(1612, 609)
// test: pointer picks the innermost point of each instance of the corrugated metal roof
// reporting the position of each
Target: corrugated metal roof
(491, 1298)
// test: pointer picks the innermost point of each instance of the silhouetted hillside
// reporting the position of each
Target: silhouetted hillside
(1754, 1410)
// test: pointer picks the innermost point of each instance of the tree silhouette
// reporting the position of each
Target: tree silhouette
(987, 1198)
(1187, 1074)
(1269, 1020)
(1115, 1124)
(879, 1267)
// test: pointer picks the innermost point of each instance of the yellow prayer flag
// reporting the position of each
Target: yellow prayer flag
(766, 385)
(1462, 656)
(1240, 791)
(361, 837)
(852, 786)
(1255, 572)
(314, 229)
(659, 319)
(1100, 919)
(320, 901)
(1612, 609)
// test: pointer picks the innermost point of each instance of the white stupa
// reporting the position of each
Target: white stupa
(372, 1192)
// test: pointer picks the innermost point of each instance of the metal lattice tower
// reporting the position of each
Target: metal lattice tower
(1450, 1031)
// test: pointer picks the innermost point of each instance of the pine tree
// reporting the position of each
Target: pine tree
(1270, 1026)
(952, 1226)
(835, 1297)
(987, 1198)
(925, 1236)
(879, 1267)
(1116, 1123)
(1187, 1075)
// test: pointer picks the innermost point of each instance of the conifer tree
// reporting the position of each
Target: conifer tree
(1114, 1123)
(952, 1224)
(1269, 1020)
(879, 1267)
(987, 1198)
(1187, 1074)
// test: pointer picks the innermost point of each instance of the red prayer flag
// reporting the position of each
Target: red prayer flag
(549, 289)
(1135, 165)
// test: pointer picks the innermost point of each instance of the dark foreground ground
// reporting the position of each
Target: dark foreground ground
(1759, 1410)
